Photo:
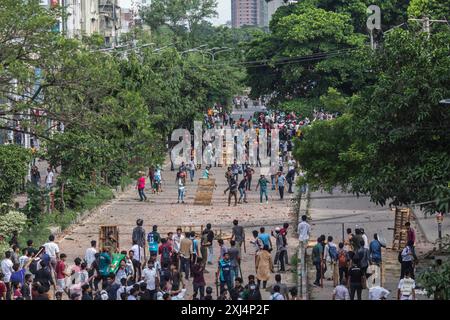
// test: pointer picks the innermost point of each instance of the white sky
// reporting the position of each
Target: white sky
(223, 9)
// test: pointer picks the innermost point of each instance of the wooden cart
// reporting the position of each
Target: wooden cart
(103, 237)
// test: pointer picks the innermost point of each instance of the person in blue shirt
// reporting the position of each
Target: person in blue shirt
(225, 272)
(375, 250)
(153, 239)
(265, 238)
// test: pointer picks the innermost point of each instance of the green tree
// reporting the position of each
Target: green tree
(396, 139)
(13, 169)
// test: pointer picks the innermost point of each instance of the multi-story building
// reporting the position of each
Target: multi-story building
(109, 21)
(86, 17)
(89, 17)
(253, 12)
(245, 13)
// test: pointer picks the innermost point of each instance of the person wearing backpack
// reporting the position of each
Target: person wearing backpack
(342, 262)
(165, 250)
(330, 257)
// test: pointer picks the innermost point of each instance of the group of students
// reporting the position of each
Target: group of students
(349, 262)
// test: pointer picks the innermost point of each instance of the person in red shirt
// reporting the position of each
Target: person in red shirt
(2, 288)
(61, 273)
(411, 234)
(165, 250)
(411, 237)
(141, 186)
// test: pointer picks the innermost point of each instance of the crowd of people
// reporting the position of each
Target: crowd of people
(349, 264)
(155, 267)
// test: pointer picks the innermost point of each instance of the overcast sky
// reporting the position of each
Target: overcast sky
(223, 9)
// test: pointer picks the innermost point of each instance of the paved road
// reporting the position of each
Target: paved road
(163, 211)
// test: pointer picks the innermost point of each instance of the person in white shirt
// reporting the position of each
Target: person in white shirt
(49, 178)
(406, 288)
(150, 276)
(378, 293)
(89, 256)
(341, 292)
(291, 164)
(177, 241)
(366, 240)
(330, 248)
(52, 249)
(137, 252)
(304, 230)
(7, 270)
(276, 293)
(179, 296)
(191, 168)
(24, 258)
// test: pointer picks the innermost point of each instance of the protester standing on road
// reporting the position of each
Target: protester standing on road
(238, 234)
(185, 254)
(6, 271)
(283, 232)
(248, 175)
(198, 282)
(363, 258)
(225, 272)
(153, 239)
(407, 257)
(191, 168)
(317, 254)
(411, 236)
(242, 190)
(138, 236)
(406, 288)
(281, 249)
(140, 186)
(207, 244)
(181, 181)
(343, 260)
(235, 258)
(375, 250)
(304, 231)
(281, 180)
(233, 191)
(264, 266)
(330, 257)
(235, 170)
(262, 182)
(355, 279)
(52, 249)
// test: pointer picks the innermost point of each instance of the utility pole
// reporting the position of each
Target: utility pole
(426, 24)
